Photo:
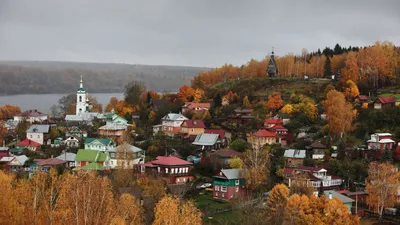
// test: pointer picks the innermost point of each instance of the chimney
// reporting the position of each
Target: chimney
(330, 195)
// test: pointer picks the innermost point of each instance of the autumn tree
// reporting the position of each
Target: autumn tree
(9, 111)
(198, 95)
(170, 211)
(351, 70)
(382, 186)
(111, 105)
(231, 97)
(339, 114)
(246, 103)
(129, 211)
(351, 90)
(256, 167)
(276, 204)
(300, 185)
(186, 93)
(274, 101)
(288, 109)
(236, 163)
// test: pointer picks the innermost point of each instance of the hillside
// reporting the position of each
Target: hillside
(41, 77)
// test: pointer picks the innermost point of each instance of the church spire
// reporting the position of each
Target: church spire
(81, 83)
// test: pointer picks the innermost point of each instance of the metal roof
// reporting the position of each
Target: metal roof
(206, 139)
(69, 156)
(38, 129)
(294, 153)
(341, 197)
(232, 173)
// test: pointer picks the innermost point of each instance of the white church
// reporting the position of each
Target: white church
(83, 107)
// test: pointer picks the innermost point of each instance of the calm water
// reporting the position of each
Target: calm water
(43, 102)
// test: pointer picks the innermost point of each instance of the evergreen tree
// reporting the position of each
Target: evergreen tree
(319, 51)
(337, 50)
(148, 99)
(321, 189)
(386, 156)
(327, 68)
(217, 100)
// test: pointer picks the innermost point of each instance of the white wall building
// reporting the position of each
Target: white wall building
(36, 133)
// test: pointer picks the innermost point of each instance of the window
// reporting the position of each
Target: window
(224, 188)
(142, 168)
(236, 182)
(237, 189)
(216, 194)
(80, 98)
(178, 179)
(31, 136)
(158, 169)
(184, 179)
(216, 187)
(172, 171)
(166, 170)
(223, 195)
(38, 136)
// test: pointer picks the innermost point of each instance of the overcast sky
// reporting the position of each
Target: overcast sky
(183, 32)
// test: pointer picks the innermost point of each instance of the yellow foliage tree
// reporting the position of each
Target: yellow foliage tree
(288, 109)
(129, 210)
(382, 186)
(276, 203)
(351, 90)
(170, 211)
(246, 103)
(236, 163)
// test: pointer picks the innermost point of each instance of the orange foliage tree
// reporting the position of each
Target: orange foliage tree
(112, 104)
(351, 90)
(186, 93)
(339, 113)
(9, 111)
(274, 101)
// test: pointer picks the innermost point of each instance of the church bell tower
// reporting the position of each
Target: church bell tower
(81, 104)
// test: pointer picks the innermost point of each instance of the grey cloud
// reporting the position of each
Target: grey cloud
(179, 32)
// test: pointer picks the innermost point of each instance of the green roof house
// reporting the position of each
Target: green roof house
(100, 144)
(85, 157)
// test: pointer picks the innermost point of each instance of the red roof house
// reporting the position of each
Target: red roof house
(173, 169)
(29, 144)
(315, 176)
(270, 122)
(260, 138)
(192, 127)
(384, 101)
(361, 99)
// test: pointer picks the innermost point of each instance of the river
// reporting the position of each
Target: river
(43, 102)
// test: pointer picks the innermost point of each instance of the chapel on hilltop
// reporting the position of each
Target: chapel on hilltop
(272, 69)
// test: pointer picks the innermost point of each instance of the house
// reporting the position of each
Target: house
(381, 141)
(85, 157)
(192, 127)
(222, 158)
(384, 101)
(221, 134)
(4, 152)
(38, 133)
(45, 165)
(317, 150)
(16, 163)
(157, 128)
(228, 184)
(208, 141)
(71, 142)
(115, 126)
(294, 157)
(31, 116)
(69, 157)
(260, 138)
(241, 116)
(348, 202)
(360, 99)
(29, 144)
(173, 169)
(76, 132)
(313, 176)
(270, 122)
(127, 156)
(100, 144)
(195, 107)
(279, 130)
(171, 123)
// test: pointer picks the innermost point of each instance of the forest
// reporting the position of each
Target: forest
(34, 77)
